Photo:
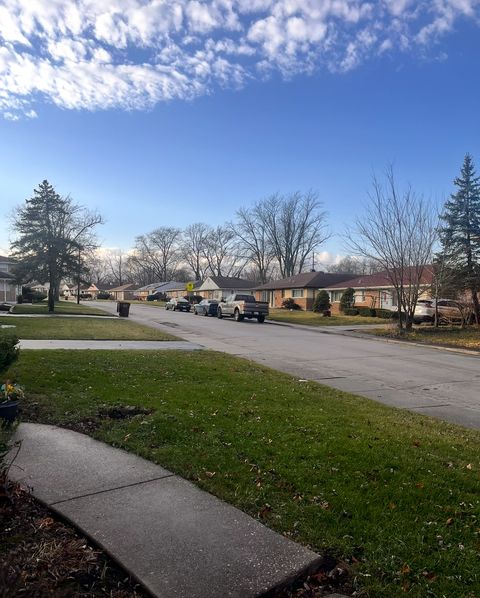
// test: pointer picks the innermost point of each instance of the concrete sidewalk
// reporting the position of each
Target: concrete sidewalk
(111, 345)
(177, 540)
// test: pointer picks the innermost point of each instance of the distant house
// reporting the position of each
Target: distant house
(219, 287)
(302, 288)
(143, 292)
(9, 289)
(376, 290)
(173, 289)
(123, 292)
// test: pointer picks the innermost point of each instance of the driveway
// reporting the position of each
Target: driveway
(434, 382)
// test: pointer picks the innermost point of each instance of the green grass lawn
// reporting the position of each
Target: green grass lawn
(452, 336)
(61, 307)
(81, 328)
(394, 493)
(309, 318)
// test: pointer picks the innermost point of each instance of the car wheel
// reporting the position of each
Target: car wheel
(219, 314)
(238, 316)
(205, 313)
(261, 319)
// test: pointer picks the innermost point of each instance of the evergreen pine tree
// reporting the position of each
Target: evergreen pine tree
(51, 233)
(322, 302)
(460, 235)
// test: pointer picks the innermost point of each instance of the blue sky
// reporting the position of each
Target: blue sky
(167, 113)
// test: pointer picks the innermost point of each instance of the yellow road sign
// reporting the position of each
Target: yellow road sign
(189, 286)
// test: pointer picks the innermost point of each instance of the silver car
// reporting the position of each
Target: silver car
(448, 310)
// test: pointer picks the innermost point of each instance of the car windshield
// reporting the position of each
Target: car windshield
(247, 298)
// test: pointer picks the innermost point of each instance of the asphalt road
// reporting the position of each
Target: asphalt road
(434, 382)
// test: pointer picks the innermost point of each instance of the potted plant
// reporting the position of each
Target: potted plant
(10, 395)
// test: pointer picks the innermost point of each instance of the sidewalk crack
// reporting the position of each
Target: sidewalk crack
(58, 502)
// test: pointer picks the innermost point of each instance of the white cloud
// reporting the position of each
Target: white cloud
(131, 54)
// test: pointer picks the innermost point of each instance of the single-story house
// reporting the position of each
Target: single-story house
(9, 289)
(219, 287)
(143, 292)
(376, 290)
(122, 293)
(177, 289)
(302, 288)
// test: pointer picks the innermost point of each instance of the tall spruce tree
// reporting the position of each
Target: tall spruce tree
(51, 234)
(460, 235)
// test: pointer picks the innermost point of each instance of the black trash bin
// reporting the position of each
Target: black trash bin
(123, 307)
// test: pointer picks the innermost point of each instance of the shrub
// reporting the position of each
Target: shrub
(366, 312)
(322, 302)
(290, 304)
(8, 350)
(350, 311)
(346, 300)
(103, 295)
(384, 313)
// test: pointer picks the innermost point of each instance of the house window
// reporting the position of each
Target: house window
(335, 295)
(265, 296)
(283, 293)
(360, 296)
(297, 292)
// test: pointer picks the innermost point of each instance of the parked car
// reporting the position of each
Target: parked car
(207, 307)
(5, 306)
(448, 310)
(179, 304)
(243, 306)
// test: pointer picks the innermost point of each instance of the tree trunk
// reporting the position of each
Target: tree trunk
(476, 306)
(51, 299)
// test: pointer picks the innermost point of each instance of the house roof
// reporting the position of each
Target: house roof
(316, 280)
(7, 260)
(172, 285)
(124, 287)
(381, 279)
(228, 282)
(5, 275)
(148, 287)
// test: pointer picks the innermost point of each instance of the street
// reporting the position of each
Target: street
(434, 382)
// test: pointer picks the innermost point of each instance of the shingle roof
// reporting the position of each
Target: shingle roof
(172, 285)
(228, 282)
(316, 280)
(6, 259)
(6, 275)
(147, 287)
(380, 279)
(123, 287)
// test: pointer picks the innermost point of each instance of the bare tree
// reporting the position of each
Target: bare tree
(116, 266)
(355, 266)
(295, 227)
(221, 252)
(253, 241)
(192, 248)
(158, 252)
(398, 232)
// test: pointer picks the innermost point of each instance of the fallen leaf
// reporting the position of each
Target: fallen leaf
(449, 521)
(405, 569)
(265, 511)
(210, 474)
(469, 466)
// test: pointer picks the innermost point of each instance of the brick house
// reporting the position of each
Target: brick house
(302, 288)
(376, 291)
